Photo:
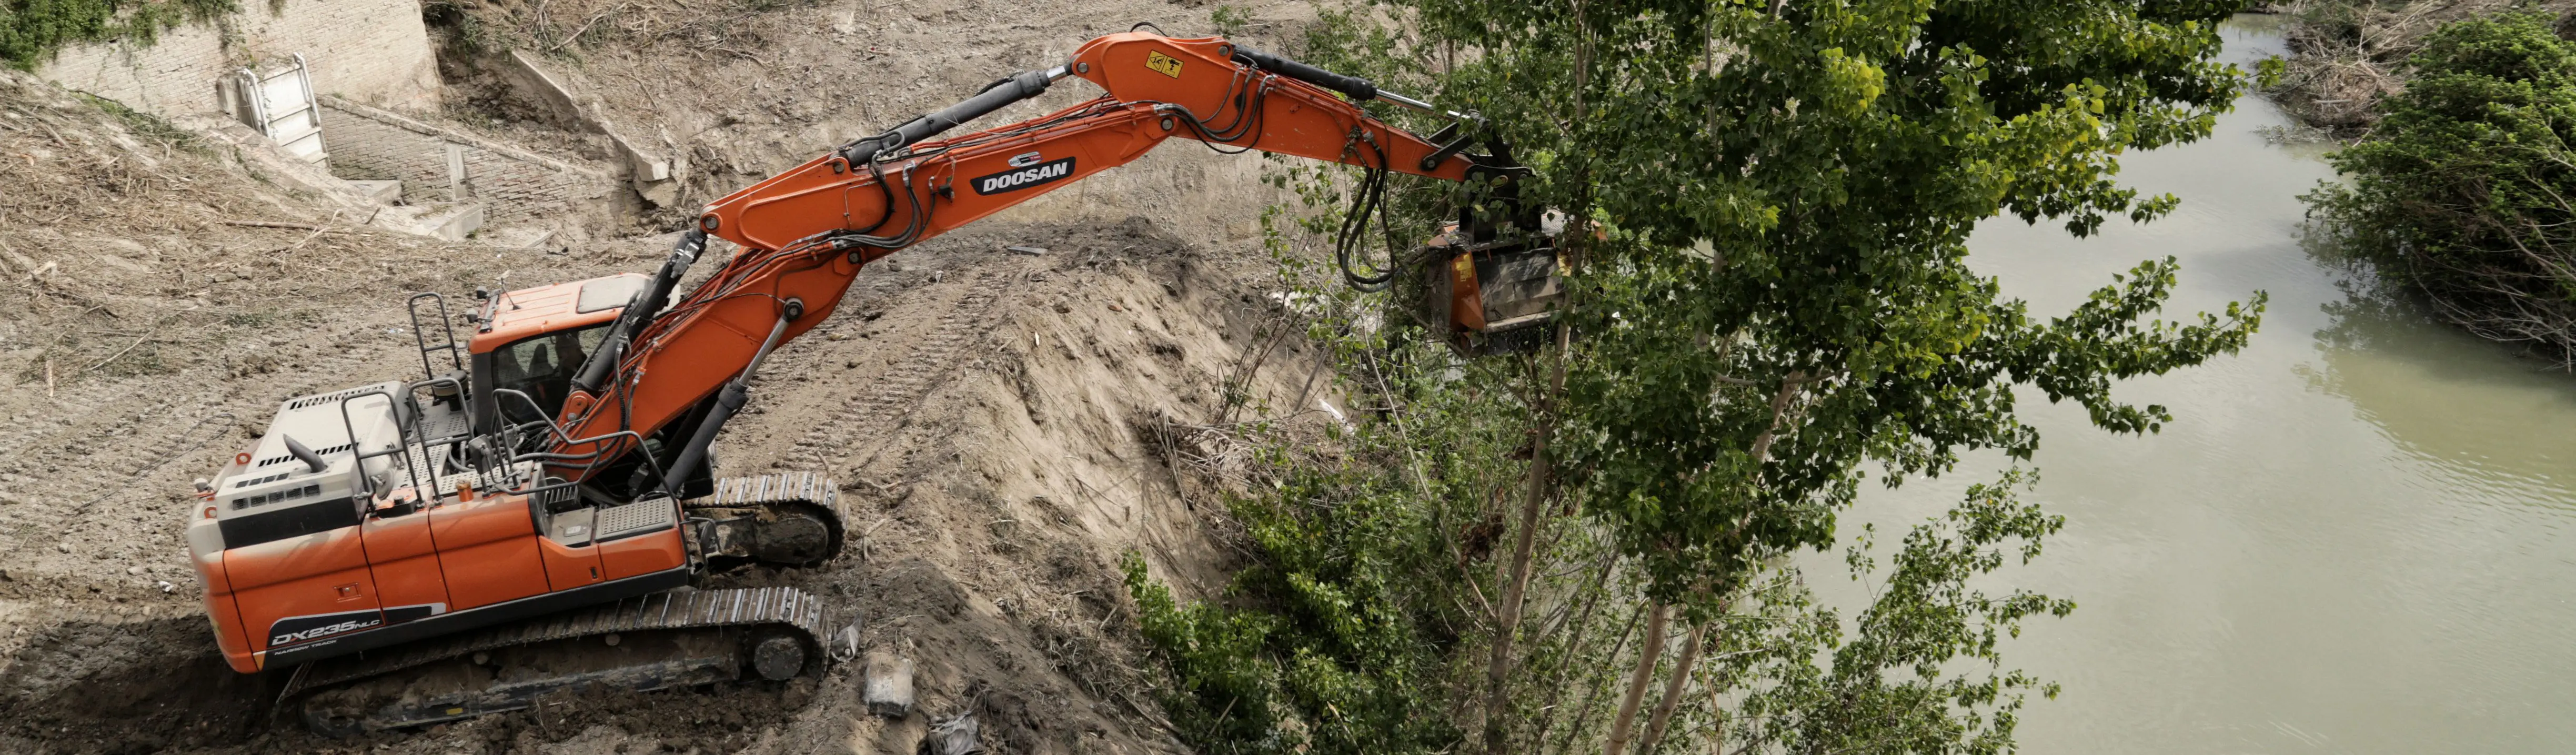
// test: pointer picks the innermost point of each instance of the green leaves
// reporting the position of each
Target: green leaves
(1922, 672)
(2461, 191)
(1833, 159)
(31, 30)
(1337, 638)
(1768, 210)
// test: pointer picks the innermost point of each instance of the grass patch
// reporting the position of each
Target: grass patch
(146, 125)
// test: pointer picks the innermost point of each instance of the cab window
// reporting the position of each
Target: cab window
(542, 366)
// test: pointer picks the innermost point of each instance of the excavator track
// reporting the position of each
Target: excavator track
(671, 639)
(786, 518)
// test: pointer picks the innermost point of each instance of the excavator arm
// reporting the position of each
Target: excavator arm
(805, 233)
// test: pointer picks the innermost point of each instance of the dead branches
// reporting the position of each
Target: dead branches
(2346, 56)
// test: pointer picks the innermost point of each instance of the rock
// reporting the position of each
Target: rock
(1032, 251)
(167, 588)
(137, 570)
(63, 547)
(955, 736)
(845, 643)
(888, 691)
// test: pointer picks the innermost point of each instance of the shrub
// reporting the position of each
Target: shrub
(2462, 191)
(31, 30)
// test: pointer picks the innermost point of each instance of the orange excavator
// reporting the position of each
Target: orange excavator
(531, 518)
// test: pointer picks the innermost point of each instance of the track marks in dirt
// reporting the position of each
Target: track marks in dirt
(69, 409)
(874, 414)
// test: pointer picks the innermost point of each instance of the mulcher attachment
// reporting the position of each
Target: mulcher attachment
(679, 638)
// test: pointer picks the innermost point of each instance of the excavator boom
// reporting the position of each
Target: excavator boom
(806, 232)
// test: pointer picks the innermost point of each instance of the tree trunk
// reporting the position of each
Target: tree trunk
(1647, 654)
(1682, 666)
(1498, 702)
(1507, 618)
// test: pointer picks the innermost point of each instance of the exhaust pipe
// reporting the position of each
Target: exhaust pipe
(309, 458)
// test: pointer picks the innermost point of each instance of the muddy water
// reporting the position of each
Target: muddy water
(2357, 536)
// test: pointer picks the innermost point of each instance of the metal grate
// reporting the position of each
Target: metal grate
(326, 398)
(325, 452)
(638, 517)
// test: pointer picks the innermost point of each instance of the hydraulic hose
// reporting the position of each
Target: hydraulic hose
(1358, 88)
(595, 371)
(997, 95)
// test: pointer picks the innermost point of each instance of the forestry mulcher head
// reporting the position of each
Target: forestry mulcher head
(1491, 296)
(1487, 280)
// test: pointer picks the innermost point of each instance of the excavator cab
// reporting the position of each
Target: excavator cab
(528, 351)
(528, 345)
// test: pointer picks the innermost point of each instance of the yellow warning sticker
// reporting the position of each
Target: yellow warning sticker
(1163, 64)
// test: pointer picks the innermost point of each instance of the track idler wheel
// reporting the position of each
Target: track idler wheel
(794, 536)
(776, 655)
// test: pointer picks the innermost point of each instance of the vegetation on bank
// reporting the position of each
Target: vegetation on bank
(1589, 546)
(2461, 191)
(2344, 56)
(32, 30)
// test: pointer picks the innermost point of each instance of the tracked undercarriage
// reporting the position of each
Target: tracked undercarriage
(678, 637)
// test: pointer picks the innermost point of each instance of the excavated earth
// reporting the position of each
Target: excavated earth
(999, 420)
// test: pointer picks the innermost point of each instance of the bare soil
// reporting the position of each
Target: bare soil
(996, 416)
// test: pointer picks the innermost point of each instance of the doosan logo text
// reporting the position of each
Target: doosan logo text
(1015, 180)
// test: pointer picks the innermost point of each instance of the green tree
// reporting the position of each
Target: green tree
(1768, 204)
(2461, 191)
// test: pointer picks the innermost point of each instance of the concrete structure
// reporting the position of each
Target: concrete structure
(376, 76)
(371, 51)
(439, 164)
(646, 170)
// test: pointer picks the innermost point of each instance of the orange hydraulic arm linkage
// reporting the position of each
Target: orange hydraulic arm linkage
(806, 232)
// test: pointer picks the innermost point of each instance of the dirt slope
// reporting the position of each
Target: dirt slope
(993, 413)
(733, 92)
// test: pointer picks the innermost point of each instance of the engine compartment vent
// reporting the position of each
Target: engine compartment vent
(327, 398)
(342, 448)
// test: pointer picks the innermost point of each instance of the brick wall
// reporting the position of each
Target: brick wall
(512, 183)
(372, 51)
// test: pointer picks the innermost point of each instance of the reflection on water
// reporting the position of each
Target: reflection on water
(2353, 538)
(2491, 420)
